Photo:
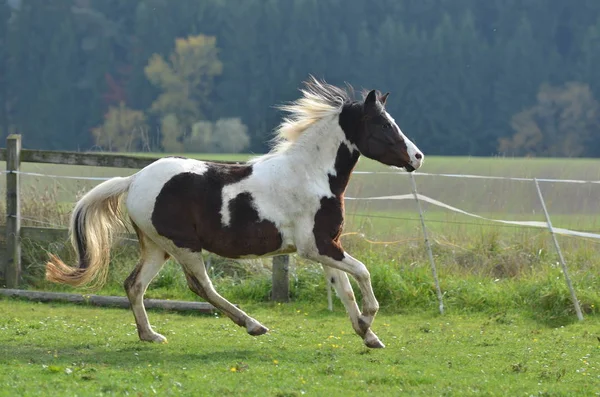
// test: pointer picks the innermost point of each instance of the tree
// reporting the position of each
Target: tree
(123, 129)
(227, 135)
(171, 133)
(186, 79)
(590, 58)
(563, 123)
(46, 102)
(457, 70)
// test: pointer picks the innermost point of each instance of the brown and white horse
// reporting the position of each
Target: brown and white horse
(289, 200)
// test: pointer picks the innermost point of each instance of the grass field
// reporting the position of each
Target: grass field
(69, 350)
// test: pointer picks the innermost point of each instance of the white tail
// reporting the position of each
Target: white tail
(93, 223)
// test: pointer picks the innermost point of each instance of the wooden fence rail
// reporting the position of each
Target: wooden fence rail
(14, 155)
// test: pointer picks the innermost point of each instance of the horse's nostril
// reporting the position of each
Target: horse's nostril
(418, 156)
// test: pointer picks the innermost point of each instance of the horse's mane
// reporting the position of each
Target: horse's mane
(319, 100)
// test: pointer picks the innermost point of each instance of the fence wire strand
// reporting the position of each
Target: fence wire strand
(401, 173)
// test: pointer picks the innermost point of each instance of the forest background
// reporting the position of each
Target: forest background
(467, 77)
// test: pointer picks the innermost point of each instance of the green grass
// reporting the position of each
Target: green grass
(52, 349)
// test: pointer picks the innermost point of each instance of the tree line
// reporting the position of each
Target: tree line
(467, 77)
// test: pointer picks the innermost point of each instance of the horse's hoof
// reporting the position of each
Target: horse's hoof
(155, 338)
(371, 340)
(375, 344)
(258, 331)
(255, 328)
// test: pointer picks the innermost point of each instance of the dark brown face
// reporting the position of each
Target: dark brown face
(380, 137)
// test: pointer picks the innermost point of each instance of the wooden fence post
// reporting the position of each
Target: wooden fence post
(13, 212)
(281, 283)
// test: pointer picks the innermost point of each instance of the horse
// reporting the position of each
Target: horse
(289, 200)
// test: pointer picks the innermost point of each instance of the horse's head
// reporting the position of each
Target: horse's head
(379, 137)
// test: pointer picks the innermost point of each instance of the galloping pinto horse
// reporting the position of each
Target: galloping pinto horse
(288, 200)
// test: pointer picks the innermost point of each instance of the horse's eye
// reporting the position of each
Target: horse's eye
(386, 126)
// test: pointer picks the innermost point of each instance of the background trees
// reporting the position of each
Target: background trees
(186, 82)
(565, 122)
(123, 130)
(462, 73)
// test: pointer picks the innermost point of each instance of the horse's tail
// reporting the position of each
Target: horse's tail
(95, 219)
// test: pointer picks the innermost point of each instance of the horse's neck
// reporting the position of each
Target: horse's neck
(325, 152)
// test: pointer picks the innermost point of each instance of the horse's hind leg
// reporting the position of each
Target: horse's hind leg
(343, 288)
(153, 258)
(200, 284)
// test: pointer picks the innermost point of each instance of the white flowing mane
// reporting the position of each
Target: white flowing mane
(319, 100)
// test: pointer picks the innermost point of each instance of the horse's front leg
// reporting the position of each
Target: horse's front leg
(341, 260)
(343, 288)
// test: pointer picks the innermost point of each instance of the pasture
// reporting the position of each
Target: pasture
(52, 349)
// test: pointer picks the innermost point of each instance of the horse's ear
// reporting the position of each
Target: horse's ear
(384, 98)
(371, 99)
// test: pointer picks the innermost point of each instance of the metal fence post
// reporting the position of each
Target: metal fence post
(428, 245)
(13, 211)
(560, 255)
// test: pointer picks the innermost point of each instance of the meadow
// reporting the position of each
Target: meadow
(52, 349)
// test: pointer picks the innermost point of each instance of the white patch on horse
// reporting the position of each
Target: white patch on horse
(411, 148)
(274, 184)
(148, 183)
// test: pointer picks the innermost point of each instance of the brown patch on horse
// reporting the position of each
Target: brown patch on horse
(329, 222)
(329, 219)
(187, 211)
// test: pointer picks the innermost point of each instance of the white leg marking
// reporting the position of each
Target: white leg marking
(344, 291)
(360, 322)
(153, 258)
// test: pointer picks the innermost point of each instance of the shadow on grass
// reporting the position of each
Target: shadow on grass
(134, 354)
